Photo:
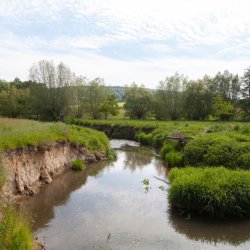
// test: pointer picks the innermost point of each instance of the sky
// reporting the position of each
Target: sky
(125, 41)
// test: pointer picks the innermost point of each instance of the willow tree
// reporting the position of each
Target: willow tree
(50, 92)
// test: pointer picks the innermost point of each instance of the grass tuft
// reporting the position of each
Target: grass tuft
(78, 165)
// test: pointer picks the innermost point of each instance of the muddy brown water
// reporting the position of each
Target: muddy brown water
(107, 207)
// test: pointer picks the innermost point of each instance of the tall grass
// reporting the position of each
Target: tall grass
(15, 233)
(218, 192)
(17, 133)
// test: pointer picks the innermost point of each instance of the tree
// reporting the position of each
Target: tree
(221, 108)
(94, 96)
(138, 101)
(245, 91)
(50, 93)
(15, 102)
(109, 106)
(197, 101)
(168, 97)
(79, 90)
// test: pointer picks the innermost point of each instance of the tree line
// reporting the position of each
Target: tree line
(54, 92)
(224, 96)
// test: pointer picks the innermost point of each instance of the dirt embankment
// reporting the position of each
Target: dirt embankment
(27, 169)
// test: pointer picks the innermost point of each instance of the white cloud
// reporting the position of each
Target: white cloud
(163, 26)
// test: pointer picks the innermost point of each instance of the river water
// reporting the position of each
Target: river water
(108, 207)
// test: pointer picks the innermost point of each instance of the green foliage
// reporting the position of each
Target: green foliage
(78, 165)
(109, 106)
(221, 108)
(168, 146)
(168, 97)
(218, 150)
(15, 102)
(95, 95)
(16, 133)
(145, 139)
(174, 159)
(15, 233)
(217, 192)
(138, 101)
(112, 155)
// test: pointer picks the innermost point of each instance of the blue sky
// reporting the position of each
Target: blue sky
(125, 40)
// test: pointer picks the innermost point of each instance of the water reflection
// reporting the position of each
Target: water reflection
(234, 232)
(136, 158)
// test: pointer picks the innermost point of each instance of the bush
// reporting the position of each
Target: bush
(218, 192)
(78, 165)
(174, 159)
(15, 233)
(145, 139)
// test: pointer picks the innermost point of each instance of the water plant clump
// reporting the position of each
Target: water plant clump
(78, 165)
(217, 192)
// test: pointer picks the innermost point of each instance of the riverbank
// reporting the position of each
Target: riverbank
(32, 154)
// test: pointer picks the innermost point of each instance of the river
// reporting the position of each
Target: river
(108, 207)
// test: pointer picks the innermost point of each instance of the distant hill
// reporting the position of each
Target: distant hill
(120, 91)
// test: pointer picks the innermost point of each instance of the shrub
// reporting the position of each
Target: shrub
(174, 159)
(145, 139)
(78, 165)
(15, 233)
(218, 192)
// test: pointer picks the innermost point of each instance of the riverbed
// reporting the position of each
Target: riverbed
(108, 207)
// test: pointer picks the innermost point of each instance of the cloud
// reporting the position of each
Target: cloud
(125, 41)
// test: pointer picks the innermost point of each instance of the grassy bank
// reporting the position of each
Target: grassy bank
(17, 133)
(218, 192)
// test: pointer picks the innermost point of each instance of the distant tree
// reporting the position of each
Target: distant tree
(225, 84)
(138, 101)
(4, 85)
(50, 93)
(222, 108)
(15, 102)
(95, 94)
(196, 101)
(109, 106)
(168, 101)
(245, 91)
(79, 89)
